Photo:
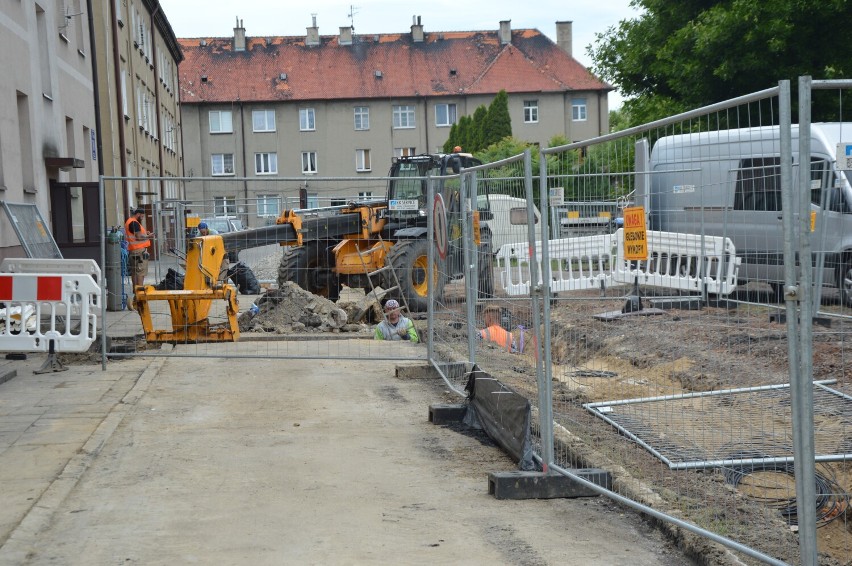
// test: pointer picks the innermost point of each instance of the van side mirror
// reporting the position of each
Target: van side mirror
(485, 214)
(518, 217)
(455, 164)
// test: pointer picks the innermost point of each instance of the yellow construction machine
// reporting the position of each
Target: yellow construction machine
(360, 244)
(204, 282)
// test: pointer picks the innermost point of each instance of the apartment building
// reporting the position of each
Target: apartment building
(344, 105)
(47, 122)
(139, 106)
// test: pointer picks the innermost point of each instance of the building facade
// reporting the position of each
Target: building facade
(139, 106)
(345, 105)
(47, 119)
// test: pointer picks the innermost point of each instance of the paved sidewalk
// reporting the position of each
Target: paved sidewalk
(170, 461)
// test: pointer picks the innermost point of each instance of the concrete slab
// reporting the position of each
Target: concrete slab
(539, 485)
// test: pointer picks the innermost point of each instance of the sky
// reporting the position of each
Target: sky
(216, 18)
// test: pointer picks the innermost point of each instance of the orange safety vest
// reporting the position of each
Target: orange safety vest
(498, 335)
(132, 242)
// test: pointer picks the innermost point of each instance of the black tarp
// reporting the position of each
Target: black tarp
(503, 414)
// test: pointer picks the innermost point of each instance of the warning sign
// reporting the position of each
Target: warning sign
(635, 234)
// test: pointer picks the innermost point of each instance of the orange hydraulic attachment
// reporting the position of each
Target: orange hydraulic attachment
(206, 269)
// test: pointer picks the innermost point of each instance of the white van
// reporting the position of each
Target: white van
(506, 228)
(728, 183)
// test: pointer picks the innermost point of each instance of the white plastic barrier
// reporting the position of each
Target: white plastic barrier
(592, 262)
(42, 307)
(576, 264)
(674, 262)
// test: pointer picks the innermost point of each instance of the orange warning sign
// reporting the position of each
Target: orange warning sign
(635, 234)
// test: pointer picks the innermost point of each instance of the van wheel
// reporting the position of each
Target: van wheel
(845, 283)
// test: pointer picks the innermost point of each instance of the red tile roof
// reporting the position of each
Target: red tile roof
(448, 63)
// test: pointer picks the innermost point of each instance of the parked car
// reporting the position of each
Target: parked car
(222, 225)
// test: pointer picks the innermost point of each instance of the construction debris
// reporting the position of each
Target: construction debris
(291, 309)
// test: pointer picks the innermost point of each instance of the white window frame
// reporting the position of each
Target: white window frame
(268, 120)
(365, 195)
(362, 118)
(266, 163)
(579, 110)
(268, 206)
(225, 206)
(307, 120)
(362, 160)
(404, 151)
(219, 164)
(403, 117)
(309, 163)
(530, 111)
(445, 115)
(219, 115)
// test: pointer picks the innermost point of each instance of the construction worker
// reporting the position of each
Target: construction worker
(395, 326)
(205, 230)
(493, 332)
(138, 242)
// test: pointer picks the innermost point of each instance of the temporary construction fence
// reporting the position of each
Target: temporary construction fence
(689, 372)
(587, 326)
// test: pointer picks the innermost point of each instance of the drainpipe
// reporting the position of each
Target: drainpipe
(122, 144)
(245, 165)
(426, 123)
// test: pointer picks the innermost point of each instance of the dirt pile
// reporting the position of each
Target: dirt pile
(291, 309)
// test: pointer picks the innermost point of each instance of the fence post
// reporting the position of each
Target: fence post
(799, 332)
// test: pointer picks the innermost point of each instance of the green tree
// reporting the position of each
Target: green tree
(477, 141)
(497, 124)
(681, 55)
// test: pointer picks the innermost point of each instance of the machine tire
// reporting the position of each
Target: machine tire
(844, 282)
(486, 276)
(309, 266)
(410, 262)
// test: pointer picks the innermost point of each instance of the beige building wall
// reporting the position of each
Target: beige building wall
(139, 106)
(47, 114)
(336, 141)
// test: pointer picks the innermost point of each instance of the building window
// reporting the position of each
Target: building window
(313, 200)
(222, 163)
(265, 163)
(578, 109)
(268, 205)
(220, 122)
(531, 111)
(365, 195)
(338, 202)
(404, 152)
(307, 120)
(309, 162)
(362, 117)
(403, 117)
(263, 120)
(225, 206)
(445, 114)
(362, 160)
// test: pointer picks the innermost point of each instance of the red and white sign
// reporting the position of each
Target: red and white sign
(25, 287)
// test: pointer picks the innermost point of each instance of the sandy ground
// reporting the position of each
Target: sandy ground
(313, 462)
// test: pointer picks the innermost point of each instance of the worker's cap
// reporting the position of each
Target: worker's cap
(202, 226)
(138, 211)
(391, 304)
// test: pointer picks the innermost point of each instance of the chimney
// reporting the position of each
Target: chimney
(313, 32)
(239, 36)
(505, 32)
(345, 35)
(416, 30)
(563, 37)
